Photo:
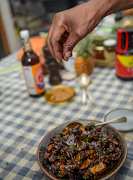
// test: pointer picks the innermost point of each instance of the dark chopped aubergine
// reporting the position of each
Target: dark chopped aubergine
(80, 151)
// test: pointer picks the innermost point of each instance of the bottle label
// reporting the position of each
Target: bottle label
(124, 66)
(34, 79)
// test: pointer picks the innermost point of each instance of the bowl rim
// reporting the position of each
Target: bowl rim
(110, 175)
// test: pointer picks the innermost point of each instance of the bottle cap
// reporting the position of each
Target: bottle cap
(109, 42)
(24, 34)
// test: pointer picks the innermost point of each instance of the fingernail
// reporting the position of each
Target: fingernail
(65, 58)
(68, 54)
(58, 60)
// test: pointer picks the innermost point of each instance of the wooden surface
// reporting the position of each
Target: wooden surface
(104, 63)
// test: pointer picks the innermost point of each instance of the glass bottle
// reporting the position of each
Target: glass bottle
(32, 68)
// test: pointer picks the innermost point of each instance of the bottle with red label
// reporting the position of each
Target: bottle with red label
(32, 68)
(124, 54)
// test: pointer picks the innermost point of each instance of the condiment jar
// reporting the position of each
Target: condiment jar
(110, 48)
(99, 52)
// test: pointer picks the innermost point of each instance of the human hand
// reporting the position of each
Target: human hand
(72, 25)
(69, 27)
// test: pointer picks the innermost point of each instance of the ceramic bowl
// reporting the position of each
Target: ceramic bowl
(46, 140)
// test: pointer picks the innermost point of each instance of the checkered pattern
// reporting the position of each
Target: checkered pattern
(24, 120)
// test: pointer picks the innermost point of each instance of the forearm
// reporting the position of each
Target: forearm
(118, 5)
(106, 7)
(112, 6)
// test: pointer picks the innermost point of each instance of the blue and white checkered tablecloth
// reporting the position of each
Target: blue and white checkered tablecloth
(24, 121)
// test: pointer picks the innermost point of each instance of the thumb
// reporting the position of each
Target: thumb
(70, 43)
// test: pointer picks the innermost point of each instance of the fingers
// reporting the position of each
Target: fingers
(72, 40)
(56, 38)
(48, 40)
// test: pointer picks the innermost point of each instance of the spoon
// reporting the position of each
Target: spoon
(84, 81)
(117, 120)
(92, 100)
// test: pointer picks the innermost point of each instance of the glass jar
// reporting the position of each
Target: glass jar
(99, 52)
(109, 49)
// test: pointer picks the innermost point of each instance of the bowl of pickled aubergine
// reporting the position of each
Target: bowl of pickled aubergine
(79, 150)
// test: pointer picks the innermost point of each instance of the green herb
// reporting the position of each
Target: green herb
(82, 125)
(111, 148)
(77, 148)
(65, 148)
(87, 143)
(97, 154)
(21, 148)
(92, 125)
(6, 163)
(76, 135)
(110, 154)
(103, 152)
(61, 137)
(56, 137)
(33, 155)
(103, 156)
(104, 139)
(82, 147)
(102, 146)
(63, 130)
(74, 131)
(55, 150)
(89, 136)
(98, 149)
(62, 155)
(94, 176)
(82, 141)
(57, 174)
(86, 139)
(84, 177)
(99, 139)
(71, 146)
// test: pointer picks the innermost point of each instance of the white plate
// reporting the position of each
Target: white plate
(124, 127)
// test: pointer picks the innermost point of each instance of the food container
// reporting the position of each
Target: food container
(109, 51)
(69, 65)
(98, 50)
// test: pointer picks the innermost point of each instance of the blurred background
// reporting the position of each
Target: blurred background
(34, 15)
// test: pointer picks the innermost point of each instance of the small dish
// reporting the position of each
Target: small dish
(46, 140)
(51, 101)
(128, 126)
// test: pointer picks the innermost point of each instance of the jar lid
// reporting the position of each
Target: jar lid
(109, 42)
(99, 48)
